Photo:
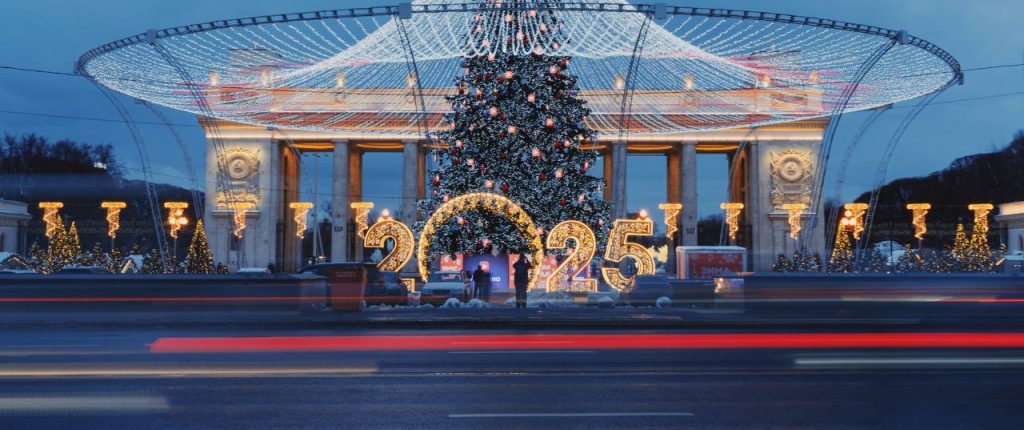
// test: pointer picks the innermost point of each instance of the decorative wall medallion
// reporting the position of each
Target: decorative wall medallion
(238, 180)
(791, 177)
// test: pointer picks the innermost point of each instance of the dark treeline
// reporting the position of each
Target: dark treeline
(34, 168)
(995, 177)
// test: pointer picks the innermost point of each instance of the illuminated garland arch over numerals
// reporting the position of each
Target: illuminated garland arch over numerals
(488, 202)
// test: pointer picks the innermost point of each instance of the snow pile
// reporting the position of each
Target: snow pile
(452, 302)
(476, 303)
(663, 302)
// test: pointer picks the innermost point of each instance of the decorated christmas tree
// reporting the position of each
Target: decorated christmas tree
(199, 259)
(909, 262)
(516, 128)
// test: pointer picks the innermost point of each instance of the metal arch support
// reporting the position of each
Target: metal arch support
(883, 165)
(214, 129)
(197, 202)
(152, 199)
(630, 79)
(413, 69)
(830, 132)
(833, 215)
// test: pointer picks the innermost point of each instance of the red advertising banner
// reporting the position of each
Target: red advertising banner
(709, 263)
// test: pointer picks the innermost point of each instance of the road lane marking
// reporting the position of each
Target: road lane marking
(538, 351)
(574, 415)
(82, 403)
(894, 361)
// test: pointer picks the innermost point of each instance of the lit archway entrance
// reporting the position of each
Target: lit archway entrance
(489, 202)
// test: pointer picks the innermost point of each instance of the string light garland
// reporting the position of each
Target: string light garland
(619, 247)
(671, 217)
(176, 217)
(113, 216)
(362, 217)
(732, 218)
(336, 66)
(795, 210)
(855, 214)
(386, 228)
(484, 202)
(919, 213)
(238, 219)
(301, 215)
(564, 276)
(50, 217)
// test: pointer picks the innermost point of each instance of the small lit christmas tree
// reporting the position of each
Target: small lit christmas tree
(874, 261)
(153, 264)
(909, 262)
(199, 258)
(782, 264)
(842, 257)
(74, 245)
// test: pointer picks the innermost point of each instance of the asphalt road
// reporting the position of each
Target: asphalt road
(117, 378)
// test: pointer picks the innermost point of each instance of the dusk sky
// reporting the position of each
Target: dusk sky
(51, 34)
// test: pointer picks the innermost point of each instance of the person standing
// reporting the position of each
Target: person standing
(478, 281)
(485, 289)
(521, 279)
(467, 285)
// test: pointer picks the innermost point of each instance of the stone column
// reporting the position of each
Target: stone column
(618, 185)
(340, 201)
(688, 218)
(410, 184)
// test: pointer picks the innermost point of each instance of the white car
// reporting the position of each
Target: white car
(442, 285)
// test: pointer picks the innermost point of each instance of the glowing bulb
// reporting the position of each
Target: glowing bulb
(620, 82)
(385, 213)
(688, 81)
(643, 213)
(491, 57)
(339, 80)
(511, 129)
(558, 173)
(489, 184)
(458, 143)
(535, 152)
(531, 97)
(508, 74)
(543, 27)
(494, 111)
(549, 123)
(553, 70)
(470, 162)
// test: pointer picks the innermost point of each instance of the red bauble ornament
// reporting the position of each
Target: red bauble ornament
(543, 176)
(563, 202)
(549, 123)
(558, 144)
(502, 155)
(504, 188)
(437, 180)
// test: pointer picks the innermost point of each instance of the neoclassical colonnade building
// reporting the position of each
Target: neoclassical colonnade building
(659, 79)
(769, 166)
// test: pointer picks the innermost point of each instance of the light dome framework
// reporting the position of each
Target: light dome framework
(644, 69)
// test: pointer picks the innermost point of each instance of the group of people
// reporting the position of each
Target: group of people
(478, 282)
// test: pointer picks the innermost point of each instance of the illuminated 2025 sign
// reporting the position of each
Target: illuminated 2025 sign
(564, 277)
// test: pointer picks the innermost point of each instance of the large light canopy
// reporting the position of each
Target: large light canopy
(644, 69)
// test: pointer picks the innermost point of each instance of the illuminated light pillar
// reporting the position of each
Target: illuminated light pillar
(113, 218)
(920, 212)
(857, 211)
(362, 218)
(671, 217)
(688, 165)
(618, 183)
(981, 211)
(732, 218)
(50, 216)
(796, 211)
(340, 200)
